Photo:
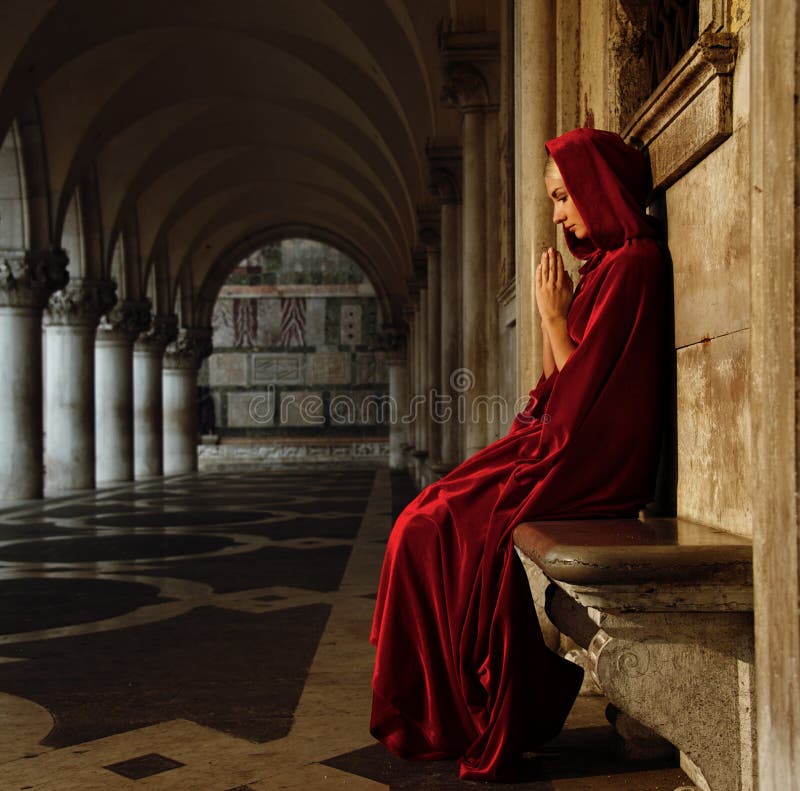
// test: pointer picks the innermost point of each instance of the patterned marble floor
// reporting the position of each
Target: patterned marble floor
(209, 632)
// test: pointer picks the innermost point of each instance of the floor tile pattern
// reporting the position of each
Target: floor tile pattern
(144, 766)
(209, 632)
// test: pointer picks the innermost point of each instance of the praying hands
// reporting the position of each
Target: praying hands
(553, 296)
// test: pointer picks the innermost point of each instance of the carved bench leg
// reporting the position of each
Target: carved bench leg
(538, 582)
(688, 677)
(637, 742)
(569, 616)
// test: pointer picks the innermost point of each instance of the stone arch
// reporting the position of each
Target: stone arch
(71, 236)
(241, 249)
(28, 133)
(133, 281)
(96, 258)
(14, 225)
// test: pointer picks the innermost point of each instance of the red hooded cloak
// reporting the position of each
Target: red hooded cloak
(461, 668)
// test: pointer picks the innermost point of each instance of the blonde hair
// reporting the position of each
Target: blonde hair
(551, 170)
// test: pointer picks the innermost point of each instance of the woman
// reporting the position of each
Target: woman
(461, 667)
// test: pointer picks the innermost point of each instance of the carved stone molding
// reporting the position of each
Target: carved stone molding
(28, 278)
(445, 186)
(81, 303)
(691, 113)
(126, 320)
(161, 332)
(413, 292)
(429, 221)
(189, 349)
(419, 259)
(466, 89)
(689, 677)
(471, 65)
(445, 173)
(393, 340)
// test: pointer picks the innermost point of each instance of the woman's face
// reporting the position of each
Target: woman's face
(564, 210)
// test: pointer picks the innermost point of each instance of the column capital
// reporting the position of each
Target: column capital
(444, 184)
(81, 302)
(189, 349)
(161, 332)
(29, 277)
(429, 221)
(393, 340)
(419, 260)
(471, 66)
(413, 289)
(126, 320)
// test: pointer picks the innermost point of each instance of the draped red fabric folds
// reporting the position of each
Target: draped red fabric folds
(461, 669)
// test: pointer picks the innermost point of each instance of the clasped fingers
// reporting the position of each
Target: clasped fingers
(553, 285)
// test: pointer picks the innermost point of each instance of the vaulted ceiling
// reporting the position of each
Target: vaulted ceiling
(206, 127)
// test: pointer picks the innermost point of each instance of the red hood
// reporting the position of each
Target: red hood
(608, 181)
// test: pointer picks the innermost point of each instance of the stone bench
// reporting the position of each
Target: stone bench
(664, 609)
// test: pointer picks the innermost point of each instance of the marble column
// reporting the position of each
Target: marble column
(113, 389)
(181, 362)
(407, 413)
(27, 280)
(422, 376)
(71, 320)
(472, 87)
(445, 184)
(491, 418)
(148, 415)
(535, 124)
(450, 327)
(398, 393)
(475, 305)
(415, 380)
(434, 357)
(773, 466)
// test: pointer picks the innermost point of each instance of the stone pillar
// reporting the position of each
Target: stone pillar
(408, 422)
(113, 389)
(429, 234)
(26, 281)
(535, 101)
(434, 359)
(774, 467)
(181, 362)
(490, 417)
(422, 362)
(398, 395)
(71, 320)
(473, 316)
(450, 328)
(148, 422)
(471, 69)
(417, 407)
(398, 390)
(446, 186)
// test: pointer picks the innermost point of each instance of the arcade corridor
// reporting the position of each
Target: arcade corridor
(210, 632)
(268, 267)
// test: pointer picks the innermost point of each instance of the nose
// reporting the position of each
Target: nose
(558, 215)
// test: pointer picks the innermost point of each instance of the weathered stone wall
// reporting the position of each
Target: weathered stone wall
(295, 346)
(709, 238)
(602, 83)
